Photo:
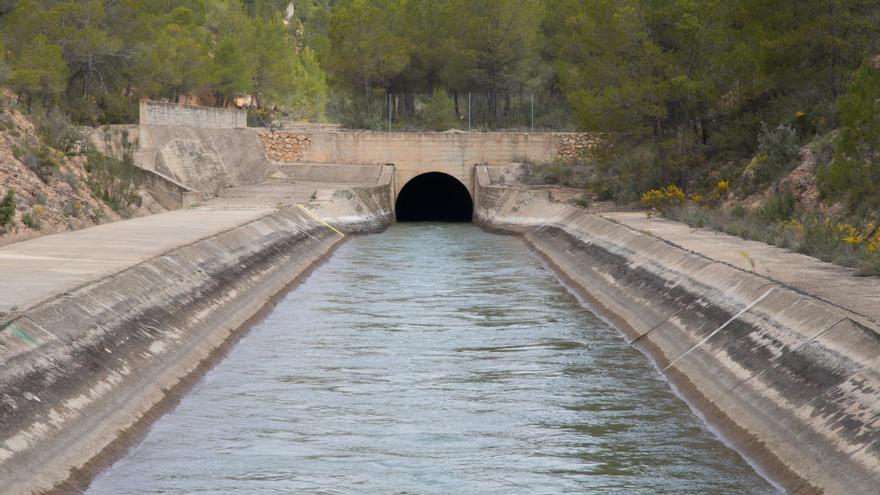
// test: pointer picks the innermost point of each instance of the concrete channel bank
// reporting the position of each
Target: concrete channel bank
(82, 369)
(791, 381)
(90, 358)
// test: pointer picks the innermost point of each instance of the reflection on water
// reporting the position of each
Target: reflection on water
(431, 359)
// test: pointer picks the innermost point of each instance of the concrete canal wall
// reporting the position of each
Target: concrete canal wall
(87, 361)
(791, 381)
(83, 370)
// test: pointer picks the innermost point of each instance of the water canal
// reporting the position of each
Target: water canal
(431, 359)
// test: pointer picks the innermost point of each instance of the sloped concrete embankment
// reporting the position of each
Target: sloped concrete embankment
(84, 371)
(354, 210)
(204, 159)
(792, 382)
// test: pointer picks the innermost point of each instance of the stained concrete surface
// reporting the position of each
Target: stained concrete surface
(789, 378)
(38, 269)
(831, 283)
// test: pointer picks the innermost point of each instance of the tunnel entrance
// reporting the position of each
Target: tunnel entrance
(434, 197)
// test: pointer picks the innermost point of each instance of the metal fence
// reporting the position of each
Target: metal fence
(443, 111)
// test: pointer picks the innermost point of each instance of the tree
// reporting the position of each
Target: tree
(309, 82)
(855, 172)
(366, 53)
(272, 60)
(92, 56)
(40, 71)
(230, 73)
(496, 47)
(177, 62)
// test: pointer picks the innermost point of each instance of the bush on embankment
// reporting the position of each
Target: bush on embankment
(847, 242)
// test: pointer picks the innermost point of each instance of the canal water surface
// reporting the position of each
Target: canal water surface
(430, 359)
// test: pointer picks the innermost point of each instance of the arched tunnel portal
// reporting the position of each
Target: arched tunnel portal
(434, 197)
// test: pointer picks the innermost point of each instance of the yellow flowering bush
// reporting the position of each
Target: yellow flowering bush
(867, 236)
(664, 197)
(795, 227)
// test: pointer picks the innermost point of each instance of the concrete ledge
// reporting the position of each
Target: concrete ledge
(792, 382)
(80, 371)
(163, 113)
(169, 193)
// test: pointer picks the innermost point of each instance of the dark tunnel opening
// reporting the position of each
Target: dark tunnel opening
(434, 197)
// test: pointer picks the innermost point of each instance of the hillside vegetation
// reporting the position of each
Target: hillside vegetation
(53, 179)
(686, 94)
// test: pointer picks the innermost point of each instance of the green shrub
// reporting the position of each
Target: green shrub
(41, 161)
(31, 219)
(583, 202)
(259, 117)
(7, 208)
(114, 178)
(57, 131)
(358, 111)
(73, 207)
(437, 112)
(738, 211)
(777, 150)
(779, 207)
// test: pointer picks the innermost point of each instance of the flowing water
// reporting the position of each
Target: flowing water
(431, 359)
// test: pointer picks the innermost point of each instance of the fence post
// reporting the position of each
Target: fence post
(469, 111)
(533, 111)
(389, 112)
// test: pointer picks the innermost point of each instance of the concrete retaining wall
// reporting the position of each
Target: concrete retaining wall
(415, 153)
(359, 210)
(80, 372)
(203, 159)
(791, 382)
(167, 192)
(160, 113)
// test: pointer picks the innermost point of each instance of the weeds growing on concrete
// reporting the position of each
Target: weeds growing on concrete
(113, 177)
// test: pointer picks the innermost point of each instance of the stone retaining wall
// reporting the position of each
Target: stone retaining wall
(285, 146)
(791, 382)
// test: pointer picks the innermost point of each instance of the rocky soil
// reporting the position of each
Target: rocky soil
(49, 199)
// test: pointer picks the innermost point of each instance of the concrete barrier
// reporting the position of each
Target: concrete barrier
(168, 192)
(172, 114)
(790, 381)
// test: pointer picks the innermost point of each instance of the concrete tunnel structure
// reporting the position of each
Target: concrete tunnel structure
(434, 196)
